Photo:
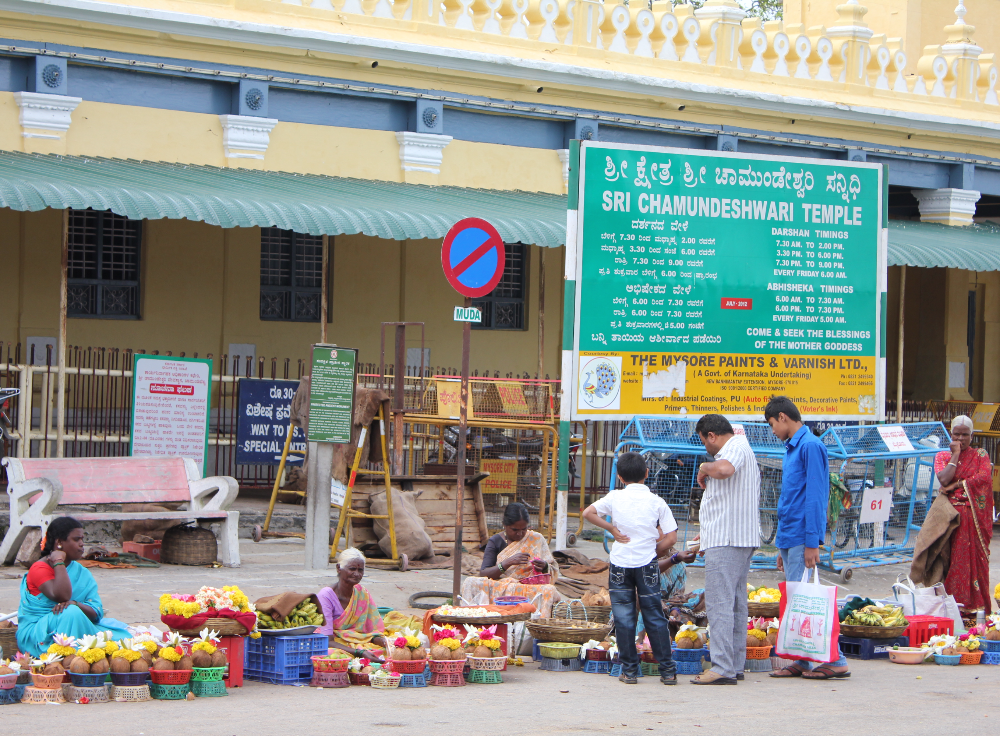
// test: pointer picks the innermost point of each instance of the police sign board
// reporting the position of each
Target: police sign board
(263, 411)
(710, 281)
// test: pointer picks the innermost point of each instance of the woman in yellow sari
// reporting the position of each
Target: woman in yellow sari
(351, 619)
(514, 554)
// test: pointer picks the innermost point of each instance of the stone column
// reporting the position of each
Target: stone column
(949, 206)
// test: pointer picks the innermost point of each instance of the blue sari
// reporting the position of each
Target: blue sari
(37, 624)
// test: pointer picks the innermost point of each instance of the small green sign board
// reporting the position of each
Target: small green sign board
(331, 393)
(468, 314)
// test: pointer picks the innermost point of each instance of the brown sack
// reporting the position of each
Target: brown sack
(280, 605)
(932, 550)
(411, 532)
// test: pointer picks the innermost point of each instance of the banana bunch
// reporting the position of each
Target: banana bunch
(877, 616)
(304, 614)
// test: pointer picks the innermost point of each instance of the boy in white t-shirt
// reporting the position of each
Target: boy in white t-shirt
(638, 517)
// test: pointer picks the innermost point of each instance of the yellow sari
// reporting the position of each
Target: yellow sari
(542, 596)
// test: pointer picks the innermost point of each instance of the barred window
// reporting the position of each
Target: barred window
(503, 308)
(291, 275)
(103, 265)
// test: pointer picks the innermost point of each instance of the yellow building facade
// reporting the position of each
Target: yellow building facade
(415, 98)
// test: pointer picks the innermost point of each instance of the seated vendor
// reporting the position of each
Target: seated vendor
(515, 553)
(351, 619)
(59, 595)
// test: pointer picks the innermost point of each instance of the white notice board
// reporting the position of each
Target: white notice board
(170, 407)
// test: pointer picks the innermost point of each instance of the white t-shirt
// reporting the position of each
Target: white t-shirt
(636, 511)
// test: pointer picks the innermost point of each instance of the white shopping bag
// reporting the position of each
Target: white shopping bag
(810, 626)
(917, 600)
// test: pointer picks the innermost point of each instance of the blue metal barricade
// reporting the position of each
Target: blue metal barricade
(673, 451)
(902, 475)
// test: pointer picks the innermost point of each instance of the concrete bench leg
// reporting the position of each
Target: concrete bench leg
(12, 543)
(229, 539)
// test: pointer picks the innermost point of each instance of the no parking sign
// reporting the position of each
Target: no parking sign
(473, 257)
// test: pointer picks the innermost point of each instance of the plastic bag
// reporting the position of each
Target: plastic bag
(810, 627)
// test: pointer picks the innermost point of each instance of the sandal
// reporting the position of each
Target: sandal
(791, 670)
(825, 672)
(711, 678)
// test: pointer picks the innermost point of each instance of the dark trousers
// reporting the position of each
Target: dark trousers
(626, 584)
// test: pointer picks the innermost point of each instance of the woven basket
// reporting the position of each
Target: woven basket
(358, 678)
(487, 663)
(763, 610)
(575, 609)
(224, 627)
(446, 666)
(170, 677)
(560, 650)
(386, 683)
(406, 667)
(872, 632)
(481, 620)
(758, 652)
(329, 664)
(598, 655)
(971, 657)
(8, 642)
(567, 630)
(189, 545)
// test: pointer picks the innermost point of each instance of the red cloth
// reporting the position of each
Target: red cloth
(969, 571)
(39, 573)
(249, 620)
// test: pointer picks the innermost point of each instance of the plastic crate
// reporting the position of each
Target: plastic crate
(688, 655)
(951, 660)
(170, 677)
(571, 664)
(283, 660)
(14, 695)
(758, 665)
(616, 670)
(330, 679)
(653, 669)
(485, 677)
(235, 648)
(688, 668)
(169, 692)
(126, 679)
(596, 668)
(418, 680)
(213, 689)
(990, 658)
(210, 674)
(989, 646)
(448, 679)
(854, 648)
(79, 680)
(149, 551)
(922, 628)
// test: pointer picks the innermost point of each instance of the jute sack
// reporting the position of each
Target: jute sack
(411, 533)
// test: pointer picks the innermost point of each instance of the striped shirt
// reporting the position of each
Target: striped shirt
(730, 508)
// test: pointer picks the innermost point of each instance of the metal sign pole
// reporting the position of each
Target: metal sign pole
(318, 506)
(463, 430)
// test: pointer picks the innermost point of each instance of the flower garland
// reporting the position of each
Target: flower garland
(209, 600)
(206, 641)
(445, 636)
(687, 631)
(485, 637)
(172, 654)
(91, 649)
(129, 651)
(970, 641)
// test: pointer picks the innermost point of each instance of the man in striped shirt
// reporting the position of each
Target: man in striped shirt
(730, 532)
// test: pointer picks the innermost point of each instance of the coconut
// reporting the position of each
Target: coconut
(753, 641)
(772, 637)
(100, 667)
(218, 659)
(162, 664)
(140, 665)
(498, 652)
(5, 670)
(79, 666)
(948, 651)
(687, 643)
(459, 654)
(67, 662)
(54, 669)
(482, 651)
(185, 663)
(605, 645)
(200, 658)
(961, 646)
(367, 670)
(147, 655)
(418, 653)
(120, 664)
(6, 625)
(401, 655)
(440, 651)
(992, 635)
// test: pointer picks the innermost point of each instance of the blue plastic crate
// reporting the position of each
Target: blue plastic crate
(14, 695)
(688, 655)
(571, 664)
(990, 658)
(689, 668)
(275, 679)
(288, 658)
(596, 668)
(616, 670)
(990, 646)
(418, 680)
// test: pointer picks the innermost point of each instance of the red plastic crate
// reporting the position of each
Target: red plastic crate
(922, 628)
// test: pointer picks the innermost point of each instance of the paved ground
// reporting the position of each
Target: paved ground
(879, 698)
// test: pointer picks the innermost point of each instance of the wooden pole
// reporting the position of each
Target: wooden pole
(899, 358)
(541, 313)
(398, 403)
(323, 306)
(463, 429)
(63, 301)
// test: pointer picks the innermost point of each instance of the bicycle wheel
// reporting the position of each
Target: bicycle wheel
(846, 526)
(768, 527)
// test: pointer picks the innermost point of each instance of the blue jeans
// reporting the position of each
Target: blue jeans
(625, 585)
(794, 560)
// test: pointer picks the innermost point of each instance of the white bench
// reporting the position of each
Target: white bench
(37, 487)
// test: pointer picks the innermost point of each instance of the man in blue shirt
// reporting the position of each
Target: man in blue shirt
(805, 493)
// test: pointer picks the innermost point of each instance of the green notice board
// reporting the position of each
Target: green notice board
(708, 282)
(331, 393)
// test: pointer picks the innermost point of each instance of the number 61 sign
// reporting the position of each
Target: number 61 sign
(876, 505)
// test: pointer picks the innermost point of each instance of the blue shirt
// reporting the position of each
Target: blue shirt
(805, 492)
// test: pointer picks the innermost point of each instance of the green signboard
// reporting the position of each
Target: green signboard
(708, 282)
(331, 393)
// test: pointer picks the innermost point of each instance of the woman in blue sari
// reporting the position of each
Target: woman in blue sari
(59, 595)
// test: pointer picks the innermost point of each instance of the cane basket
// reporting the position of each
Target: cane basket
(575, 609)
(8, 642)
(872, 632)
(487, 663)
(189, 545)
(763, 610)
(567, 630)
(223, 626)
